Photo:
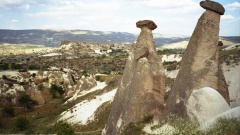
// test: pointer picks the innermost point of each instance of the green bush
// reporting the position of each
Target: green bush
(183, 126)
(98, 78)
(9, 110)
(16, 66)
(63, 128)
(26, 99)
(55, 89)
(27, 102)
(4, 66)
(32, 67)
(22, 123)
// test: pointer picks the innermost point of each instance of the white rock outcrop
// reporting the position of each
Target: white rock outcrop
(229, 114)
(206, 103)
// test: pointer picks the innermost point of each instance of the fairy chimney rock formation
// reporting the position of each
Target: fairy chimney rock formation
(141, 90)
(200, 65)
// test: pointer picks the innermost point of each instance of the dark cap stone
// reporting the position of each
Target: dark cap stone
(213, 6)
(220, 43)
(146, 23)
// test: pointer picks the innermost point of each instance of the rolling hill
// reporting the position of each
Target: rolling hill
(53, 38)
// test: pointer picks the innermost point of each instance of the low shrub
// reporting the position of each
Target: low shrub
(225, 127)
(63, 128)
(55, 89)
(9, 110)
(22, 123)
(183, 126)
(133, 129)
(97, 78)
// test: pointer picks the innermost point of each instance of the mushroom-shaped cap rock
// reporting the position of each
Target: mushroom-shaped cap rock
(220, 43)
(213, 6)
(146, 23)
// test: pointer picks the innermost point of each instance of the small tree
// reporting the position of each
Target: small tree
(98, 78)
(22, 124)
(33, 74)
(54, 89)
(27, 102)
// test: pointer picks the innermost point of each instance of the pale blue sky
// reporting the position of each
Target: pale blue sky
(177, 17)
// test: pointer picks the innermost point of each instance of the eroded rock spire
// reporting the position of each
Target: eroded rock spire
(141, 90)
(200, 65)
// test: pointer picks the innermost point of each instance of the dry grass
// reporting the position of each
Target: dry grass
(15, 49)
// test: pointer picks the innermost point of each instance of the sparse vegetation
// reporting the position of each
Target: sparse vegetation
(22, 123)
(170, 51)
(114, 63)
(63, 128)
(134, 129)
(16, 66)
(225, 127)
(33, 67)
(182, 126)
(27, 102)
(40, 86)
(55, 89)
(229, 52)
(97, 78)
(101, 117)
(9, 110)
(148, 119)
(4, 66)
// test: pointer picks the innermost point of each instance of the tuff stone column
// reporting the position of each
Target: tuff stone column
(200, 65)
(141, 90)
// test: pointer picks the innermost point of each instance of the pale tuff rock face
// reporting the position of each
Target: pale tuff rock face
(35, 94)
(84, 84)
(199, 66)
(233, 113)
(206, 103)
(141, 90)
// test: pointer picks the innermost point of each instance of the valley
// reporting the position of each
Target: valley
(87, 72)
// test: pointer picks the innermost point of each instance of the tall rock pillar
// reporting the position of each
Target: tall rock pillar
(200, 65)
(141, 90)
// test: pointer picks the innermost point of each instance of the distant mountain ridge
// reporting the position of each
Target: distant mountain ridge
(53, 38)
